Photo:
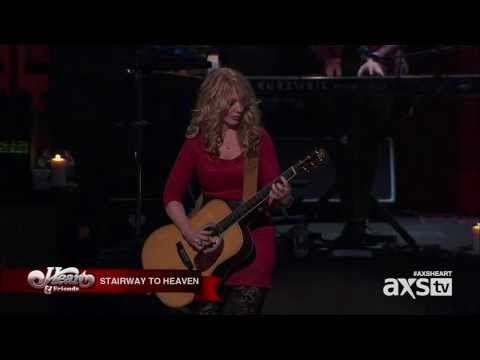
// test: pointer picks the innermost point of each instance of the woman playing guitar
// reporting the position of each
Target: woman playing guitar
(226, 125)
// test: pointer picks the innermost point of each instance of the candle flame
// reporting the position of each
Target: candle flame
(57, 158)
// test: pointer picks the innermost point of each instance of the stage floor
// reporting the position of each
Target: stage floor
(352, 283)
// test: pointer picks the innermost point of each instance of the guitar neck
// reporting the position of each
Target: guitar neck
(249, 206)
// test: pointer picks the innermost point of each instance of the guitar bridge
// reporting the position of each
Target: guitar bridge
(184, 256)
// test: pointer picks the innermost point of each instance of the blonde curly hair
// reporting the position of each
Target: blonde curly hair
(213, 102)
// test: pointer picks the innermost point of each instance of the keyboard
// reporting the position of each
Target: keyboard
(392, 85)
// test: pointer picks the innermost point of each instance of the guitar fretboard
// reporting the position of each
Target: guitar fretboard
(246, 208)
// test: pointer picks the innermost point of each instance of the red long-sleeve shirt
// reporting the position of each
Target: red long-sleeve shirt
(223, 179)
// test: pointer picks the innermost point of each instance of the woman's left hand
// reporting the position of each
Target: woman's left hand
(281, 192)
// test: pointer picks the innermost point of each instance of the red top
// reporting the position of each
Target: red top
(223, 179)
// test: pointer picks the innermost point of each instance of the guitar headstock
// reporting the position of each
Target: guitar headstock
(315, 159)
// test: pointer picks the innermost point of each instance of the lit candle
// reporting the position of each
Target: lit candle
(59, 174)
(476, 238)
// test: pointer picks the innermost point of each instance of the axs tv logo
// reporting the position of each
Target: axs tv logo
(418, 287)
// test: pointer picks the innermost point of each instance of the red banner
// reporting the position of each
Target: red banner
(51, 280)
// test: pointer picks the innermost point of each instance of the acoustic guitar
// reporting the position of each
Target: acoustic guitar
(166, 249)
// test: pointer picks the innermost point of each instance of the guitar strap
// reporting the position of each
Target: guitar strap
(250, 179)
(250, 175)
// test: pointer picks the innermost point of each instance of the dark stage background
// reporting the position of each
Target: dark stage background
(80, 98)
(90, 96)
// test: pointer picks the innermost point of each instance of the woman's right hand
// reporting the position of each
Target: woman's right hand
(198, 239)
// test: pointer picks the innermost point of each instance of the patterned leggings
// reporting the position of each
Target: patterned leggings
(239, 300)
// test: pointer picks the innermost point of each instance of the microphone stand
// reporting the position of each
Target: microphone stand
(410, 114)
(147, 60)
(139, 124)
